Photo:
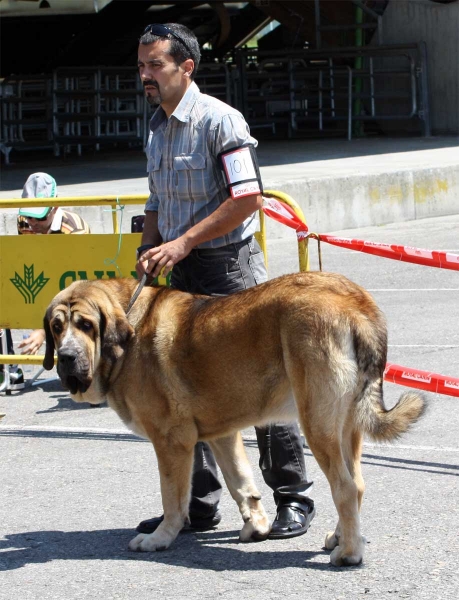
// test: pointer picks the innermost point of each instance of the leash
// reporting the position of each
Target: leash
(136, 293)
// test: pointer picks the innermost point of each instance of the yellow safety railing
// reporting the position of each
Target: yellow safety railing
(113, 201)
(35, 268)
(303, 251)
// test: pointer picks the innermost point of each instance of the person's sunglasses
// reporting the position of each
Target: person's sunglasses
(163, 31)
(23, 224)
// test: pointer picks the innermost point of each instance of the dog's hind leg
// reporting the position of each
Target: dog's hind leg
(175, 462)
(353, 452)
(232, 460)
(355, 468)
(346, 487)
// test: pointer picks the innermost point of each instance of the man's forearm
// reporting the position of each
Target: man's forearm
(226, 218)
(150, 234)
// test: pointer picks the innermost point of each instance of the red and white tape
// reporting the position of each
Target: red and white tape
(419, 256)
(283, 213)
(279, 211)
(423, 380)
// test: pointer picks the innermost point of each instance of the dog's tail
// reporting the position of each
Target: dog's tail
(372, 417)
(387, 425)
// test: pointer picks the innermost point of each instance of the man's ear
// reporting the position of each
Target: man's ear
(188, 67)
(48, 361)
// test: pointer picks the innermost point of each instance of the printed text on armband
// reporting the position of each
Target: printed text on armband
(245, 189)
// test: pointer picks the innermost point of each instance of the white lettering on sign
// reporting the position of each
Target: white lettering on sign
(416, 376)
(340, 240)
(417, 252)
(239, 165)
(452, 258)
(277, 207)
(245, 189)
(378, 245)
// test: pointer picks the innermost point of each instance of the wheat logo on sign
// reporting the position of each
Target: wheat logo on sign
(27, 286)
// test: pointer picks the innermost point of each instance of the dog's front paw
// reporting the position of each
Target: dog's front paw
(255, 529)
(351, 557)
(151, 542)
(331, 540)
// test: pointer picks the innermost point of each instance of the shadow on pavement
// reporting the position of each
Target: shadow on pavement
(74, 434)
(392, 462)
(64, 402)
(202, 551)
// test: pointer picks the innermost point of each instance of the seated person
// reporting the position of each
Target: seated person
(46, 220)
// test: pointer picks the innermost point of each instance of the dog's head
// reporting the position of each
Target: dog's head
(87, 326)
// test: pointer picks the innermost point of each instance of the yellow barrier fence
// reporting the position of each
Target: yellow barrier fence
(303, 252)
(33, 269)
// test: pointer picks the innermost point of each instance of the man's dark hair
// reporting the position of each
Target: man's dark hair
(178, 50)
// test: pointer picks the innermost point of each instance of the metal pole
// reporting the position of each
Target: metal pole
(349, 105)
(424, 90)
(317, 12)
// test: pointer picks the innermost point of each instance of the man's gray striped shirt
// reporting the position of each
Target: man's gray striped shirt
(185, 178)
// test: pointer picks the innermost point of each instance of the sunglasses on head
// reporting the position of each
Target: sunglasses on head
(163, 31)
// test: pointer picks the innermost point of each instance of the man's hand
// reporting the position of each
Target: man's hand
(33, 343)
(163, 258)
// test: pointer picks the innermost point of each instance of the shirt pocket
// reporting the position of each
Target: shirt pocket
(189, 161)
(154, 163)
(192, 178)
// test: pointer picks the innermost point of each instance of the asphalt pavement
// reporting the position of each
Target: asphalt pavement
(75, 482)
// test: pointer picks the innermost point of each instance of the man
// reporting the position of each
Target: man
(200, 220)
(47, 220)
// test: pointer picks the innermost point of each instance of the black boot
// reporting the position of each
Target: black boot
(195, 524)
(295, 512)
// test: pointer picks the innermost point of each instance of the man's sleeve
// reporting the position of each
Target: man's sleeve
(232, 132)
(237, 158)
(153, 201)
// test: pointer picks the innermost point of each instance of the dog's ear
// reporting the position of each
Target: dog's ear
(115, 331)
(48, 361)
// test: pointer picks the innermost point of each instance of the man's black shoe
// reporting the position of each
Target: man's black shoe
(202, 524)
(293, 518)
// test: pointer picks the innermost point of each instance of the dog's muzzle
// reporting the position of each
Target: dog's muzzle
(73, 370)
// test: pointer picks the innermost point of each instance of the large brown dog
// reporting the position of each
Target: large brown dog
(182, 368)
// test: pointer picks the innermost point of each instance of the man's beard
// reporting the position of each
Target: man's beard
(152, 100)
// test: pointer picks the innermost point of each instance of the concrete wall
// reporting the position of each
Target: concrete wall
(362, 200)
(412, 21)
(339, 185)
